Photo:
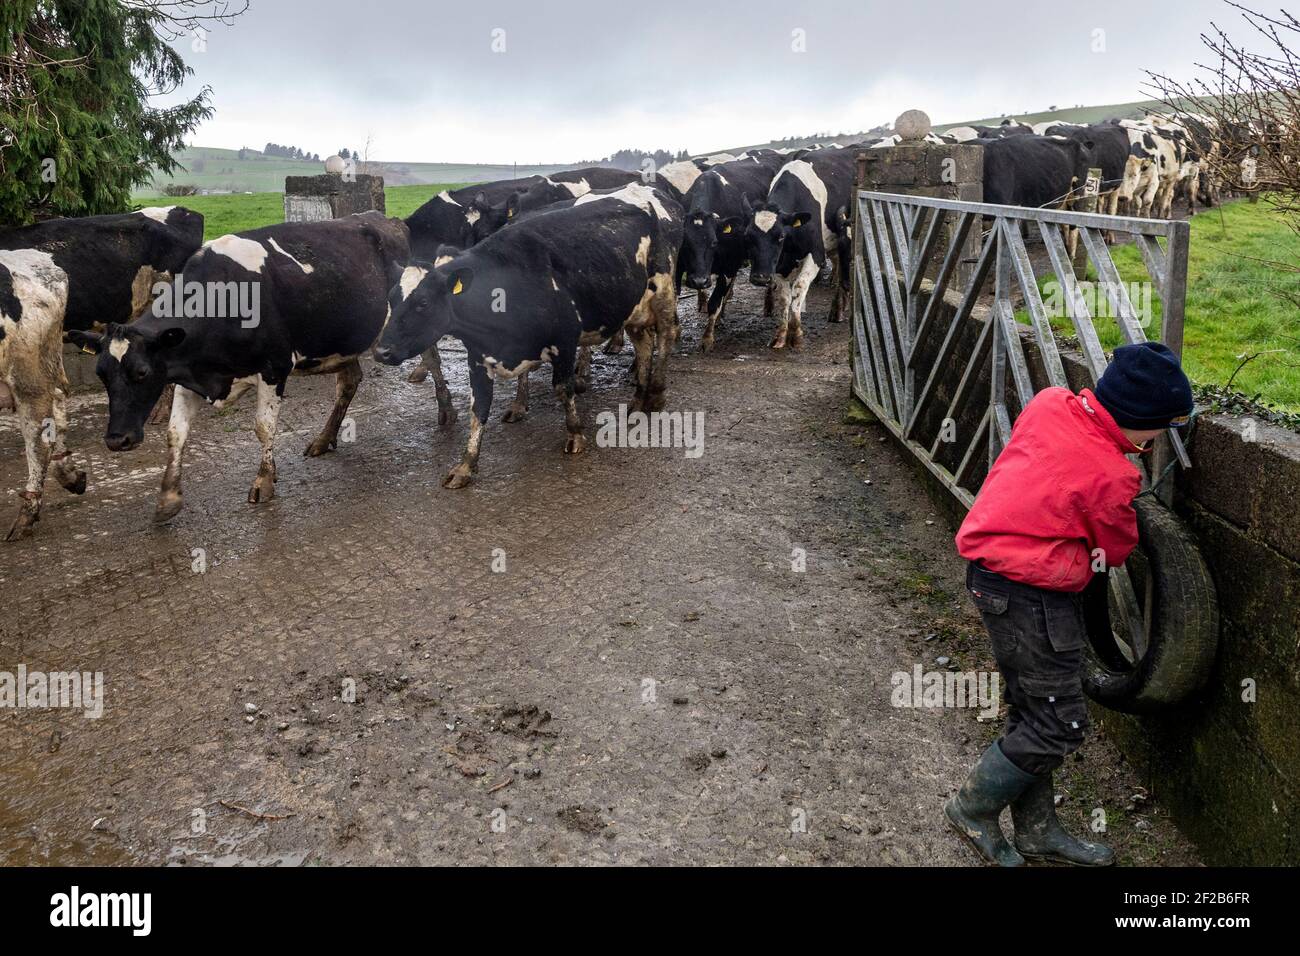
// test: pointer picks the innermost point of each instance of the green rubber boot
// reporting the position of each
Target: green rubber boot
(973, 812)
(1040, 836)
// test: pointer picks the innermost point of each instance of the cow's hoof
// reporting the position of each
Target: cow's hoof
(169, 506)
(654, 402)
(614, 345)
(575, 444)
(418, 376)
(777, 343)
(24, 525)
(580, 385)
(514, 414)
(458, 477)
(446, 416)
(795, 344)
(263, 490)
(320, 446)
(73, 482)
(706, 344)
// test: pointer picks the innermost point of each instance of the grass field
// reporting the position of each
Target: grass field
(1236, 303)
(223, 214)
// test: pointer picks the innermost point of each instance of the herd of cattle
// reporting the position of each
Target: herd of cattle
(523, 272)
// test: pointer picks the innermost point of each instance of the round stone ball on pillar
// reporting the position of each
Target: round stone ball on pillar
(912, 126)
(335, 165)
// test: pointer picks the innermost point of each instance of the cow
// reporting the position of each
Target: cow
(791, 234)
(448, 218)
(1109, 146)
(552, 189)
(677, 178)
(771, 158)
(1036, 171)
(318, 292)
(596, 177)
(1153, 165)
(539, 290)
(70, 275)
(1008, 127)
(714, 231)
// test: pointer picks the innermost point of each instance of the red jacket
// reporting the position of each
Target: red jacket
(1060, 489)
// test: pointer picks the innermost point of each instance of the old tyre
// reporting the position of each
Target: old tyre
(1179, 616)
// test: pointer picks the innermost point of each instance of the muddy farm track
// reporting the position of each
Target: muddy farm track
(648, 681)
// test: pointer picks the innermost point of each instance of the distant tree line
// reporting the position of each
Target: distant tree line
(631, 159)
(285, 152)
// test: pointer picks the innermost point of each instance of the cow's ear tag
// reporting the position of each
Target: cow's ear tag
(458, 288)
(726, 230)
(86, 349)
(796, 224)
(510, 214)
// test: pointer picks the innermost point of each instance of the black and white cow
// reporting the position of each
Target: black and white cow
(792, 233)
(557, 187)
(714, 231)
(73, 274)
(1109, 147)
(537, 291)
(449, 217)
(1153, 167)
(1034, 171)
(676, 179)
(318, 296)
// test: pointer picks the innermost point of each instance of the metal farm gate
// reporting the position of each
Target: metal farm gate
(932, 348)
(915, 323)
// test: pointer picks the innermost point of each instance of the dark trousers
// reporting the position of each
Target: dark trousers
(1038, 640)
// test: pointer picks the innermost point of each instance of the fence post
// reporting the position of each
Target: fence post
(1172, 298)
(1087, 203)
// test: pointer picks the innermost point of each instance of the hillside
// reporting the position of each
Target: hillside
(221, 170)
(1073, 114)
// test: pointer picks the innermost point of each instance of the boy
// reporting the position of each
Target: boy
(1057, 501)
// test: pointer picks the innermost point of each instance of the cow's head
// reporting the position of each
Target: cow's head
(133, 367)
(702, 232)
(419, 308)
(490, 217)
(767, 229)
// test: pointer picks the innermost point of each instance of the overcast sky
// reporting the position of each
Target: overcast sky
(578, 79)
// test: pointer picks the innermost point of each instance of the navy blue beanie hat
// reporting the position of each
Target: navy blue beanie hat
(1144, 387)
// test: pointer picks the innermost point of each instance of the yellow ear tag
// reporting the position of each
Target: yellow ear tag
(726, 230)
(510, 214)
(796, 224)
(457, 289)
(87, 350)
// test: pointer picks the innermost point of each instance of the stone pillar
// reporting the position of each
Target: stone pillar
(331, 195)
(920, 167)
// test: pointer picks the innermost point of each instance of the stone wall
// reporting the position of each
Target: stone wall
(1225, 765)
(330, 196)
